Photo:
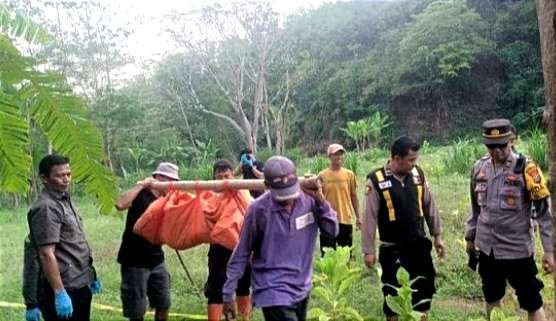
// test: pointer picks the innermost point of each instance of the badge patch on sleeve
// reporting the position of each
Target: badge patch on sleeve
(536, 184)
(534, 173)
(368, 190)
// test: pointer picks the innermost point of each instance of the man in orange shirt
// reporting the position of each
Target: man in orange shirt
(340, 189)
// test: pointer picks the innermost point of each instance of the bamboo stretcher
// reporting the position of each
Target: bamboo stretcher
(310, 182)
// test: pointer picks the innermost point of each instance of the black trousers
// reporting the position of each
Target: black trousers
(416, 258)
(521, 274)
(218, 257)
(344, 238)
(294, 312)
(80, 300)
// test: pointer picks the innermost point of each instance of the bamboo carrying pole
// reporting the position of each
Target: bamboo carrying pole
(311, 182)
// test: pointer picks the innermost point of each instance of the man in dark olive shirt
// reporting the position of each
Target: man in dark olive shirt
(142, 263)
(67, 279)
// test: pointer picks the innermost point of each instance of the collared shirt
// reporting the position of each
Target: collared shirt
(370, 220)
(500, 219)
(283, 247)
(53, 219)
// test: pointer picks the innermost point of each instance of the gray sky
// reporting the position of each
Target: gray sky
(148, 40)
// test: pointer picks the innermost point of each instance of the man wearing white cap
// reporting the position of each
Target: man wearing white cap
(142, 263)
(340, 189)
(278, 237)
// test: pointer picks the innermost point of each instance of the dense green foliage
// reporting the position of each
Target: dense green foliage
(436, 69)
(357, 73)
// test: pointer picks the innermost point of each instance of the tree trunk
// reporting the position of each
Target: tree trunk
(546, 11)
(267, 131)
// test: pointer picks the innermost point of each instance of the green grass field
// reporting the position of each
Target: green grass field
(458, 296)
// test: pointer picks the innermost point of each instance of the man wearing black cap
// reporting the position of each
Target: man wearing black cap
(507, 191)
(278, 237)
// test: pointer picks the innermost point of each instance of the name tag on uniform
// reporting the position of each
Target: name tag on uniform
(385, 184)
(304, 220)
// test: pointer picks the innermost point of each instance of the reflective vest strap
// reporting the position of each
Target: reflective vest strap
(390, 206)
(387, 198)
(420, 198)
(379, 176)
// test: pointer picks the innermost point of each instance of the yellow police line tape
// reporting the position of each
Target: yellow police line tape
(4, 304)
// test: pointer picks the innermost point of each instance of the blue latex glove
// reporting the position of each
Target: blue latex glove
(33, 314)
(246, 160)
(96, 286)
(62, 301)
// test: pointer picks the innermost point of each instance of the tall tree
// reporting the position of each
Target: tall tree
(236, 63)
(546, 11)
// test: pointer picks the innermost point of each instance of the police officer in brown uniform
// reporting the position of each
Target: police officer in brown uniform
(399, 203)
(507, 191)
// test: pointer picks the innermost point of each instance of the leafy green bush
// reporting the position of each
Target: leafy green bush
(401, 303)
(318, 164)
(461, 156)
(202, 171)
(264, 153)
(497, 315)
(368, 131)
(538, 147)
(372, 154)
(333, 277)
(295, 154)
(351, 162)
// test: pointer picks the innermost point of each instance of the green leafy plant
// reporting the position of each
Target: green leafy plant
(318, 164)
(202, 171)
(538, 147)
(377, 123)
(351, 162)
(333, 277)
(295, 154)
(358, 131)
(497, 315)
(402, 302)
(367, 131)
(461, 155)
